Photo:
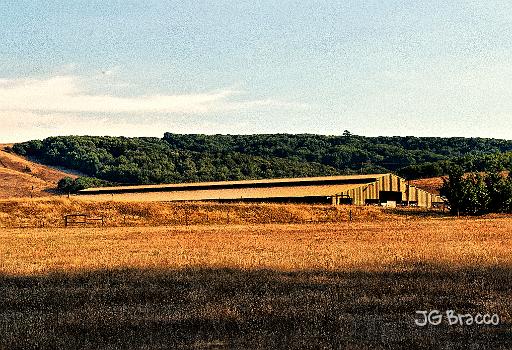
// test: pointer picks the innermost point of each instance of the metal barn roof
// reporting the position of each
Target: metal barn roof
(232, 193)
(295, 182)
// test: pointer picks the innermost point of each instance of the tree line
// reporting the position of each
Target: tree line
(188, 158)
(410, 157)
(121, 160)
(478, 193)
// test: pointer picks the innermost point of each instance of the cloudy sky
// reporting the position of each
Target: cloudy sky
(141, 68)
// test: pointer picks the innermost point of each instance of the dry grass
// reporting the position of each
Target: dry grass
(212, 308)
(20, 177)
(340, 285)
(335, 247)
(432, 184)
(18, 184)
(49, 212)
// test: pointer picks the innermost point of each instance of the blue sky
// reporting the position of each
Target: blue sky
(133, 68)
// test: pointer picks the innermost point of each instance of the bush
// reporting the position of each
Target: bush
(69, 185)
(477, 193)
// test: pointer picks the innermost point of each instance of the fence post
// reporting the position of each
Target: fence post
(350, 215)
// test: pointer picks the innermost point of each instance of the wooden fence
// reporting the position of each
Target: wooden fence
(82, 219)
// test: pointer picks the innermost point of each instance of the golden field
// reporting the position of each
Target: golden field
(248, 276)
(50, 212)
(374, 246)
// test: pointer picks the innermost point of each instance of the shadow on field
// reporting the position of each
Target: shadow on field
(250, 309)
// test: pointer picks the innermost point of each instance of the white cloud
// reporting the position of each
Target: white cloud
(60, 105)
(19, 126)
(63, 94)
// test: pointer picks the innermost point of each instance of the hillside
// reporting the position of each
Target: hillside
(153, 160)
(179, 158)
(20, 177)
(431, 184)
(408, 156)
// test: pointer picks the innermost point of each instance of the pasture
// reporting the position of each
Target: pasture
(347, 284)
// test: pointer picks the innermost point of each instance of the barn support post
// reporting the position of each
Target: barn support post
(408, 190)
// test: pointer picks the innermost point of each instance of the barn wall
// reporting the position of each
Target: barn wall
(390, 182)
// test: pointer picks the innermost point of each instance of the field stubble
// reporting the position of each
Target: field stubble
(331, 285)
(334, 246)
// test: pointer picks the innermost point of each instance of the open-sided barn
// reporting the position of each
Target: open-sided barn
(377, 189)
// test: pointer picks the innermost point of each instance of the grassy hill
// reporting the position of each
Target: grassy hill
(20, 177)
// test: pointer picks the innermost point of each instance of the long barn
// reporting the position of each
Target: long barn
(375, 189)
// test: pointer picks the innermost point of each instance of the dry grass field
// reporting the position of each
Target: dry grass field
(332, 247)
(49, 212)
(20, 177)
(247, 285)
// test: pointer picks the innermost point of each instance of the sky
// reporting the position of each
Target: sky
(142, 68)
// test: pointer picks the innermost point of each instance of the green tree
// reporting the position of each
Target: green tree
(453, 188)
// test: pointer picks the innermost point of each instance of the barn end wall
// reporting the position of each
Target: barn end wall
(410, 195)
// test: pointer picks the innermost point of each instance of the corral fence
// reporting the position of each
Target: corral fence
(82, 220)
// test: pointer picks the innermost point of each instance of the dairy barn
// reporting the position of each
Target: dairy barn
(373, 189)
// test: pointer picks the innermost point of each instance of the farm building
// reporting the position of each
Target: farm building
(374, 189)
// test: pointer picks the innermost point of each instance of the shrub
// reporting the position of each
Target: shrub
(69, 185)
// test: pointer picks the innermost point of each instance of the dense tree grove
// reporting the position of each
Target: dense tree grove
(152, 160)
(410, 157)
(478, 193)
(470, 163)
(188, 158)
